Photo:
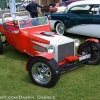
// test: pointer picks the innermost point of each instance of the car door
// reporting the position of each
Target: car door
(89, 23)
(75, 17)
(95, 27)
(68, 19)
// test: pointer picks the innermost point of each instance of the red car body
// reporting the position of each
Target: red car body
(51, 53)
(21, 39)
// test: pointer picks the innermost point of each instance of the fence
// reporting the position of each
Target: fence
(7, 11)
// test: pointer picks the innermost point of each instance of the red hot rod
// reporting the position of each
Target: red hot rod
(51, 53)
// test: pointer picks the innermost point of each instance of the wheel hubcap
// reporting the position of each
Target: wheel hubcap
(41, 73)
(60, 29)
(94, 53)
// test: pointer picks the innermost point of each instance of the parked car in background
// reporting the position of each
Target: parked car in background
(64, 4)
(81, 17)
(56, 7)
(50, 8)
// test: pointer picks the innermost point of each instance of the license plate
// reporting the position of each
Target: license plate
(84, 57)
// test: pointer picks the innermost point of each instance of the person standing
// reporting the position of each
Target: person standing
(32, 8)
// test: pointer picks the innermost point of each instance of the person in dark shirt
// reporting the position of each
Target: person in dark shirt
(32, 8)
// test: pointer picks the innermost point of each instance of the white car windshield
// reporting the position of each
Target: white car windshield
(78, 7)
(32, 22)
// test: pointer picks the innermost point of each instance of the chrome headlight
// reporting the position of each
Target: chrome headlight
(50, 48)
(77, 42)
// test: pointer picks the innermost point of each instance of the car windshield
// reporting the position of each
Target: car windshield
(78, 7)
(66, 10)
(32, 22)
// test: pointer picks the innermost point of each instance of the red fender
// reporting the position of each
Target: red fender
(93, 39)
(46, 55)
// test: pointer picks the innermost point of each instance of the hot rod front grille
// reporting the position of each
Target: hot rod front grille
(65, 50)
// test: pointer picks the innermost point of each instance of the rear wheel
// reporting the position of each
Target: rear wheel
(43, 72)
(60, 28)
(90, 48)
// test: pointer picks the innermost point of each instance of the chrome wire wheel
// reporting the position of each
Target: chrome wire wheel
(60, 29)
(41, 73)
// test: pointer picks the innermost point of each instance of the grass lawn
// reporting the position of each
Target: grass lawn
(80, 84)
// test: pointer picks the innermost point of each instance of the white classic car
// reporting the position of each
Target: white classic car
(81, 17)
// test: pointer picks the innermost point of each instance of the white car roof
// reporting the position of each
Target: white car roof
(83, 3)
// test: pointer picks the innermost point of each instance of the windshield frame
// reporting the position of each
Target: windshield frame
(37, 19)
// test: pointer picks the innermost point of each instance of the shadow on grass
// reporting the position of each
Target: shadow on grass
(27, 79)
(12, 53)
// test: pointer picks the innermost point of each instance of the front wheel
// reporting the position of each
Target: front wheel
(43, 72)
(90, 48)
(60, 28)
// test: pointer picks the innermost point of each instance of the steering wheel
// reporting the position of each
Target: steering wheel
(15, 22)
